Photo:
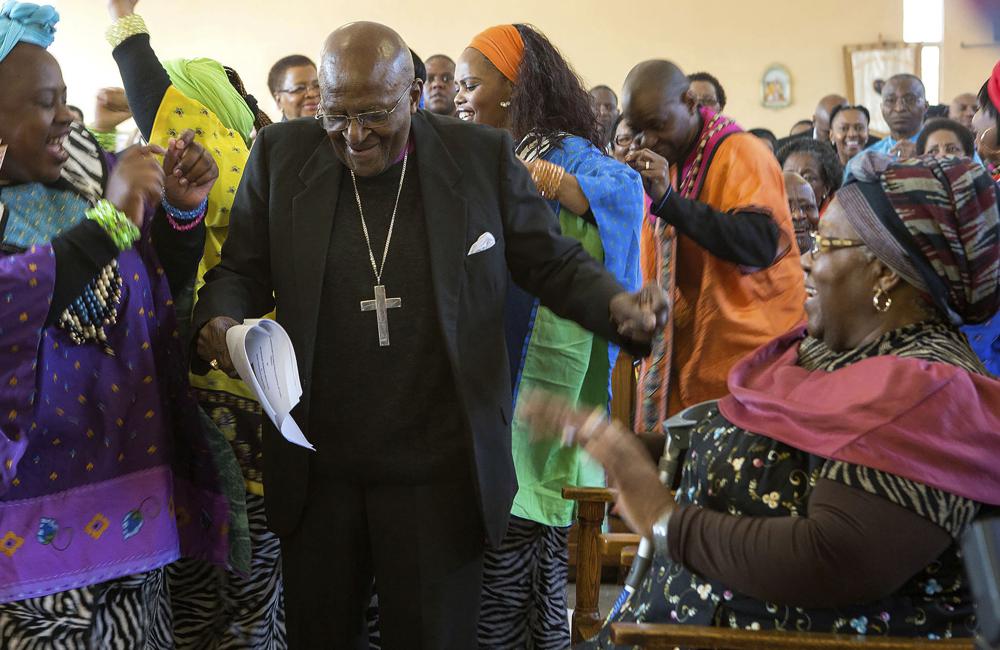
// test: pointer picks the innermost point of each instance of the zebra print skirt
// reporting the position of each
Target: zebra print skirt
(130, 613)
(524, 589)
(218, 609)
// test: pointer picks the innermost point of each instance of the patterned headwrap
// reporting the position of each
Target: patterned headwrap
(25, 22)
(205, 81)
(935, 222)
(503, 46)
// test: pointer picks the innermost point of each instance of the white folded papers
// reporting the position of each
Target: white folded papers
(264, 357)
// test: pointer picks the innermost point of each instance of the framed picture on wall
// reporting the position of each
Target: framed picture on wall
(776, 87)
(869, 66)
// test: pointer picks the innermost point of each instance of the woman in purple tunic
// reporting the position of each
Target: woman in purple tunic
(105, 476)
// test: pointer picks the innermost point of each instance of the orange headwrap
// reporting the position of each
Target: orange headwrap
(503, 46)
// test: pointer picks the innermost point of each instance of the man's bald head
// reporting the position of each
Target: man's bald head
(364, 52)
(830, 102)
(657, 76)
(821, 117)
(365, 72)
(963, 108)
(664, 116)
(907, 81)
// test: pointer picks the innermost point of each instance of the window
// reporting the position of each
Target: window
(923, 22)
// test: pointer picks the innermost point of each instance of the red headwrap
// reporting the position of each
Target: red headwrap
(503, 46)
(993, 86)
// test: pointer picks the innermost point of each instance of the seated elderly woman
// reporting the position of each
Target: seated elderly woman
(942, 137)
(105, 475)
(827, 492)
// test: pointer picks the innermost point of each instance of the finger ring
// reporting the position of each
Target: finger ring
(214, 363)
(647, 165)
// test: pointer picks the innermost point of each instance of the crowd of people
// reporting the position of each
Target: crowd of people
(461, 250)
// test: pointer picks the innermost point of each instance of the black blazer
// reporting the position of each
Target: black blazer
(471, 183)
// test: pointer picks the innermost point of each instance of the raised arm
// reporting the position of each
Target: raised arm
(144, 78)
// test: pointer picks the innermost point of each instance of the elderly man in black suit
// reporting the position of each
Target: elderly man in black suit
(385, 237)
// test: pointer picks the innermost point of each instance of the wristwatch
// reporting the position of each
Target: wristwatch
(661, 551)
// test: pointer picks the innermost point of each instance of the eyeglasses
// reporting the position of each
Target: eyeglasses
(908, 100)
(624, 140)
(369, 120)
(826, 244)
(301, 89)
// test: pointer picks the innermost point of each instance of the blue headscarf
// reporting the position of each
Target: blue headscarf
(26, 22)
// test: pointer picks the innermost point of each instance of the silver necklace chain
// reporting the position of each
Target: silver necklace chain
(364, 227)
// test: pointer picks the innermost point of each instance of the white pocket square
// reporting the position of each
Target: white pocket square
(485, 242)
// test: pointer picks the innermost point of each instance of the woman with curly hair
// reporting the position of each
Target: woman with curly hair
(815, 161)
(512, 77)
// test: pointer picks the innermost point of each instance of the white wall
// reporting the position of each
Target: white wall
(965, 69)
(734, 39)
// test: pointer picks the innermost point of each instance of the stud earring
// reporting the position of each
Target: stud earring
(505, 104)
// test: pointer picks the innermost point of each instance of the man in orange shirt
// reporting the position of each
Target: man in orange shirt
(723, 243)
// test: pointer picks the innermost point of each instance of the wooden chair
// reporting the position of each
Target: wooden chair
(672, 636)
(591, 549)
(591, 506)
(587, 617)
(623, 382)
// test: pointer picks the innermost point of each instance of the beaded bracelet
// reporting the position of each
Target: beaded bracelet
(122, 231)
(184, 227)
(184, 215)
(124, 28)
(107, 139)
(184, 220)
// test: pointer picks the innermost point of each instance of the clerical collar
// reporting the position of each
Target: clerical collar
(408, 149)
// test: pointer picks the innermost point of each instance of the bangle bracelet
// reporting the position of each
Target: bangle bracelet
(125, 28)
(114, 222)
(661, 548)
(547, 177)
(184, 215)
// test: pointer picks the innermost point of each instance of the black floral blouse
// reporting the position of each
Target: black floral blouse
(732, 470)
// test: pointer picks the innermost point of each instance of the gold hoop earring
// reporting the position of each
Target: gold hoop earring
(878, 297)
(505, 104)
(990, 151)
